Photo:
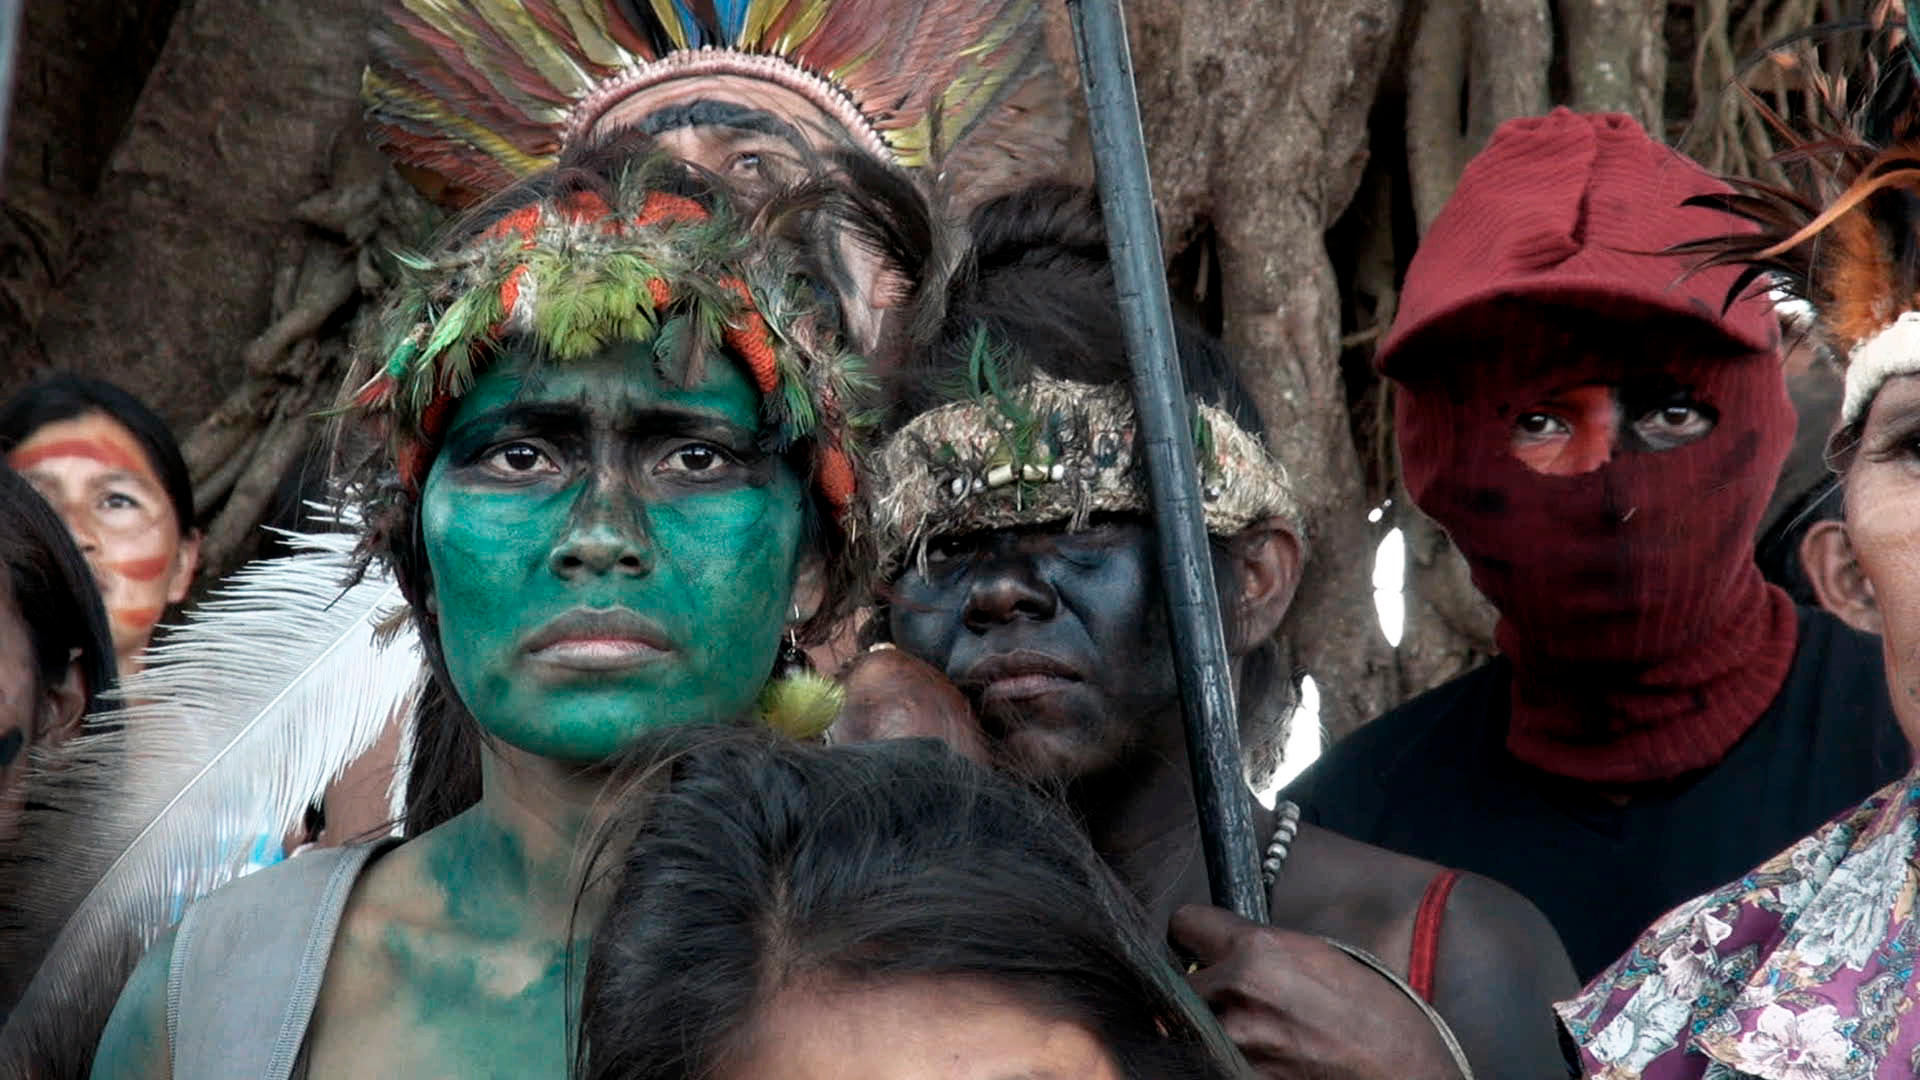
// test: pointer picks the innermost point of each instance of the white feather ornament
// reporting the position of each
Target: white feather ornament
(241, 720)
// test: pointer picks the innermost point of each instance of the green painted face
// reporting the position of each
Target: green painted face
(610, 553)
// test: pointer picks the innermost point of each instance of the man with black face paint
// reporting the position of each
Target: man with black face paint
(1600, 439)
(1031, 634)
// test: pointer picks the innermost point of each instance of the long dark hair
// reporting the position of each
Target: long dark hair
(54, 591)
(65, 397)
(748, 863)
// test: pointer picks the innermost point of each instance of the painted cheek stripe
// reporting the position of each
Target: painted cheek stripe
(104, 453)
(142, 570)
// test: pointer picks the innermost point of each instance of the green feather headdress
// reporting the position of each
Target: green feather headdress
(571, 274)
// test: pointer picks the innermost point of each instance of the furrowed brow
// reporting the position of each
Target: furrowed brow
(677, 420)
(529, 416)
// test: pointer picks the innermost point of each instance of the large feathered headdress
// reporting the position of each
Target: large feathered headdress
(482, 92)
(1843, 234)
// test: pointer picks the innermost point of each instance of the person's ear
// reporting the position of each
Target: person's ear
(809, 586)
(186, 563)
(1267, 555)
(66, 704)
(1826, 557)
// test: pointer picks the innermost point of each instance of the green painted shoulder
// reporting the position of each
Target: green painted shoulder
(135, 1045)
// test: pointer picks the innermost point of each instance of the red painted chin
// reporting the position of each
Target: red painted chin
(136, 618)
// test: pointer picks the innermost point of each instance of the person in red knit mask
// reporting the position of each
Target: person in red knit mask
(1599, 432)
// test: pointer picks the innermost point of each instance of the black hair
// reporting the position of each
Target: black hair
(884, 212)
(1778, 550)
(1809, 490)
(1037, 278)
(748, 864)
(53, 590)
(65, 397)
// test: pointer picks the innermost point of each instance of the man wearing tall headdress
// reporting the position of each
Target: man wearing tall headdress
(960, 94)
(959, 91)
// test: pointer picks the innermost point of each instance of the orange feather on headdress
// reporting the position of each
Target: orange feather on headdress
(1843, 234)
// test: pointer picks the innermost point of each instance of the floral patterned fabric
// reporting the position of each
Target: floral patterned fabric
(1801, 970)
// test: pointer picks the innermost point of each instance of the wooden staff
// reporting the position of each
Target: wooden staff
(1166, 428)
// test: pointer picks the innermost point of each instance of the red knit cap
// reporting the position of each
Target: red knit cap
(1572, 208)
(1643, 639)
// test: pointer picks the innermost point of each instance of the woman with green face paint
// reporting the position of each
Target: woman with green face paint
(619, 474)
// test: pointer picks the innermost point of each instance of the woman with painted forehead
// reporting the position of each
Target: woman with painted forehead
(617, 475)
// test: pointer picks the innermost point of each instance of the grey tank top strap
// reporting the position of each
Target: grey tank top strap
(247, 964)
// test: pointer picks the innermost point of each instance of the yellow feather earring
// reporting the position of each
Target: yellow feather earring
(799, 702)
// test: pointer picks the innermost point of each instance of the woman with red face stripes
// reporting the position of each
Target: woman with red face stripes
(113, 472)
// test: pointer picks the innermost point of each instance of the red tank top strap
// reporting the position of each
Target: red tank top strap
(1426, 932)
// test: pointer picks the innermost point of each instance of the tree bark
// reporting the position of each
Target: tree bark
(1436, 75)
(1512, 50)
(1617, 57)
(78, 69)
(1492, 55)
(1269, 154)
(173, 266)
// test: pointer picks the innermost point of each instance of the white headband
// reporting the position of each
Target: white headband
(1892, 352)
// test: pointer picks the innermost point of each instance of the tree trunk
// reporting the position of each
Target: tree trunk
(79, 66)
(174, 265)
(214, 266)
(1269, 154)
(1617, 57)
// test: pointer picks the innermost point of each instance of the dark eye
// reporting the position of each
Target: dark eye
(1673, 424)
(519, 459)
(1539, 425)
(696, 459)
(745, 164)
(948, 548)
(114, 500)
